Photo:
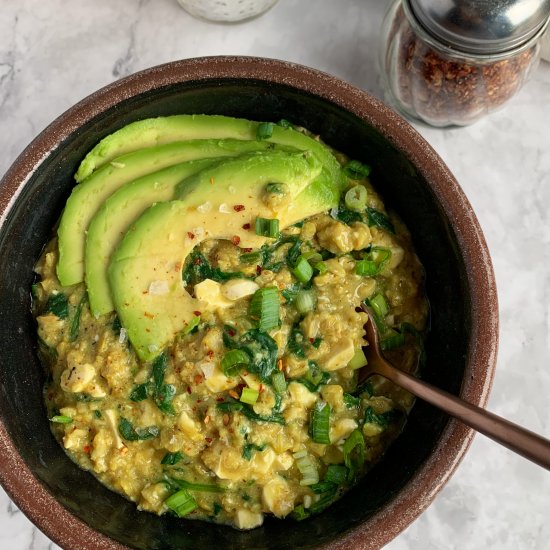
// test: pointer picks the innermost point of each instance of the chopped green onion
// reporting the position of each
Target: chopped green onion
(233, 360)
(267, 227)
(306, 465)
(305, 301)
(182, 503)
(358, 360)
(300, 513)
(170, 459)
(336, 473)
(313, 257)
(265, 130)
(374, 261)
(201, 487)
(61, 419)
(264, 308)
(320, 423)
(379, 305)
(392, 339)
(356, 170)
(354, 452)
(321, 267)
(279, 383)
(314, 377)
(249, 396)
(192, 324)
(356, 198)
(303, 270)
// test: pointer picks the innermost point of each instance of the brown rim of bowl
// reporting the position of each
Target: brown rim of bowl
(67, 530)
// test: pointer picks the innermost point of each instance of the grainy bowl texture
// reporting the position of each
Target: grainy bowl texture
(74, 509)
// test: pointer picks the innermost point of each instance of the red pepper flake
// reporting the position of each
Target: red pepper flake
(233, 394)
(261, 388)
(86, 449)
(238, 207)
(197, 313)
(220, 399)
(246, 226)
(259, 269)
(199, 401)
(247, 249)
(178, 266)
(197, 261)
(198, 378)
(235, 240)
(312, 340)
(189, 389)
(190, 235)
(231, 332)
(208, 439)
(210, 353)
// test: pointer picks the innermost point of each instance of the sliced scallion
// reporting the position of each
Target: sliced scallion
(320, 423)
(392, 339)
(193, 323)
(233, 360)
(305, 301)
(264, 308)
(266, 227)
(302, 270)
(379, 305)
(313, 257)
(308, 469)
(336, 473)
(265, 130)
(356, 198)
(358, 360)
(354, 452)
(250, 258)
(374, 261)
(181, 503)
(321, 267)
(249, 396)
(279, 383)
(61, 419)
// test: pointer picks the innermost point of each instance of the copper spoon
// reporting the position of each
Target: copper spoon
(518, 439)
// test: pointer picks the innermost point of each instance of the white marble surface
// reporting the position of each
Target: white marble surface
(54, 53)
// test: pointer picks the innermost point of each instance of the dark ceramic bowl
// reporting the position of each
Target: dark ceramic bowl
(67, 503)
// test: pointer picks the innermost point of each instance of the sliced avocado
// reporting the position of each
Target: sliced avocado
(145, 272)
(117, 213)
(154, 131)
(87, 197)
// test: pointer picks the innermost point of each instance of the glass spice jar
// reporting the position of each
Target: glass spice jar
(451, 64)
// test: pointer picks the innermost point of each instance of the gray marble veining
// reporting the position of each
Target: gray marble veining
(54, 53)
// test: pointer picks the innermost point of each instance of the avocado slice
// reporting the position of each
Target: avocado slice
(154, 131)
(88, 196)
(114, 217)
(145, 272)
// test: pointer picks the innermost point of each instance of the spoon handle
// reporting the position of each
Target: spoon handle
(518, 439)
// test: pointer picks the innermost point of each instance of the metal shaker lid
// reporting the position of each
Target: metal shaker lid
(482, 26)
